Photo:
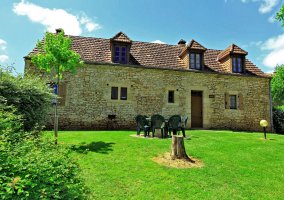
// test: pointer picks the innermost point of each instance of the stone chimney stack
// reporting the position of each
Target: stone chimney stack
(182, 43)
(58, 30)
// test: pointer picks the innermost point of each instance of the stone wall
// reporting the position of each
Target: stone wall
(88, 97)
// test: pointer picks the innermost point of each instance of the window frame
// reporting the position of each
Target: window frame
(235, 106)
(121, 96)
(122, 50)
(193, 63)
(112, 94)
(171, 99)
(238, 64)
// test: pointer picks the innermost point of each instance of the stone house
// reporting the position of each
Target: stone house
(216, 89)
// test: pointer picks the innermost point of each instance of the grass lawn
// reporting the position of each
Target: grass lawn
(236, 165)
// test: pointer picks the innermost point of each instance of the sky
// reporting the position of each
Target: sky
(215, 24)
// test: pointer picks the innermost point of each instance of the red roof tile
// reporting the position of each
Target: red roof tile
(153, 54)
(232, 49)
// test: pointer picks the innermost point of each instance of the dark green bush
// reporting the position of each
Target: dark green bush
(30, 95)
(39, 170)
(31, 168)
(278, 120)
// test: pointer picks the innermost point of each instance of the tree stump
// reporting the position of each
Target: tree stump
(178, 150)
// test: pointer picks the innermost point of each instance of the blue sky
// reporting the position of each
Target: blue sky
(214, 23)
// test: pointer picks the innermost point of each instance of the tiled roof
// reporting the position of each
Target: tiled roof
(152, 55)
(192, 45)
(121, 37)
(232, 49)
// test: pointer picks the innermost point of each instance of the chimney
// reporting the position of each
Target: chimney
(58, 30)
(182, 43)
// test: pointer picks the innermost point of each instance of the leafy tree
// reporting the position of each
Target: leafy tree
(280, 15)
(55, 57)
(277, 85)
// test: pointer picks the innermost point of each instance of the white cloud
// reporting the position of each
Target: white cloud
(89, 24)
(275, 46)
(272, 19)
(4, 58)
(158, 41)
(3, 44)
(55, 18)
(266, 6)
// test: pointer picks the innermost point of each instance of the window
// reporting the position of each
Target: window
(114, 92)
(233, 101)
(123, 93)
(120, 54)
(171, 97)
(237, 64)
(195, 60)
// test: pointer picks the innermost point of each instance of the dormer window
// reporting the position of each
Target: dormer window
(237, 65)
(120, 54)
(120, 46)
(195, 61)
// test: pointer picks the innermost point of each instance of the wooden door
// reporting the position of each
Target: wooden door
(196, 109)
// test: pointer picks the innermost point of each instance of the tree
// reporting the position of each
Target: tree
(277, 85)
(280, 15)
(277, 82)
(55, 57)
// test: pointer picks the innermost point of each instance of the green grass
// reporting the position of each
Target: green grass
(236, 165)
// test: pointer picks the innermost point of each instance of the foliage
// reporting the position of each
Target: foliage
(278, 120)
(55, 55)
(280, 15)
(277, 85)
(237, 165)
(32, 168)
(29, 95)
(39, 170)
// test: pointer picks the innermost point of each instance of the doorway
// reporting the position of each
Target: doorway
(196, 109)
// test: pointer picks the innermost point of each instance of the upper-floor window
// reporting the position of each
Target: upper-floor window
(120, 54)
(237, 64)
(195, 60)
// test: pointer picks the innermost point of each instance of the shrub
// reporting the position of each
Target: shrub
(31, 168)
(278, 120)
(40, 170)
(30, 95)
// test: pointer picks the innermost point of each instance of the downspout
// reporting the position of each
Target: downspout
(270, 106)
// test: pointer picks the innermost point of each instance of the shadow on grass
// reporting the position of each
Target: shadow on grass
(98, 147)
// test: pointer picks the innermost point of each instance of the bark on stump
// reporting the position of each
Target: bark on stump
(178, 150)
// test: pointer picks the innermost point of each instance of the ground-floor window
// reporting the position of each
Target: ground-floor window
(233, 101)
(115, 94)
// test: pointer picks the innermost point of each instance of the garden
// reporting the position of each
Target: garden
(115, 165)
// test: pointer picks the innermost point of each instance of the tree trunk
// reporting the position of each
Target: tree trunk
(56, 111)
(178, 150)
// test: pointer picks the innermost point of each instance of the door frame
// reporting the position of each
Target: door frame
(202, 107)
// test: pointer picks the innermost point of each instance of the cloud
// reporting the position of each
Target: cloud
(55, 18)
(272, 19)
(158, 42)
(4, 58)
(3, 44)
(275, 46)
(266, 6)
(89, 24)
